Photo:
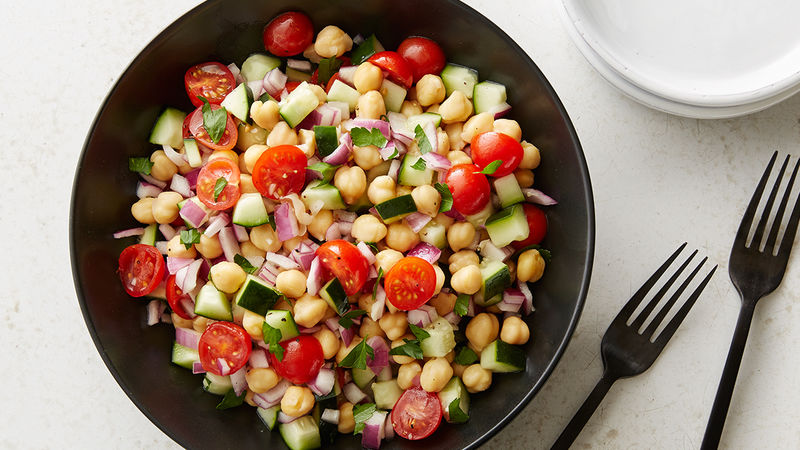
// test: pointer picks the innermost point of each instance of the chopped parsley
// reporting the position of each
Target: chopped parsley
(462, 305)
(231, 400)
(466, 356)
(422, 140)
(363, 137)
(189, 237)
(491, 168)
(140, 165)
(419, 165)
(447, 197)
(272, 336)
(456, 414)
(357, 358)
(410, 348)
(347, 319)
(219, 186)
(361, 414)
(244, 263)
(214, 121)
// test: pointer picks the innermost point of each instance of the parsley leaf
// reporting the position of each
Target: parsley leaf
(357, 358)
(373, 246)
(419, 165)
(140, 165)
(410, 348)
(363, 137)
(466, 356)
(422, 140)
(219, 186)
(462, 305)
(456, 414)
(214, 121)
(361, 414)
(189, 237)
(326, 69)
(377, 282)
(272, 336)
(491, 168)
(447, 197)
(231, 400)
(419, 332)
(347, 319)
(244, 263)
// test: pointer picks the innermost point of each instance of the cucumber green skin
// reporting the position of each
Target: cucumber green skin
(298, 105)
(238, 102)
(327, 171)
(282, 320)
(452, 390)
(216, 384)
(369, 47)
(488, 94)
(441, 340)
(459, 78)
(334, 294)
(213, 304)
(326, 139)
(269, 416)
(250, 211)
(256, 295)
(296, 75)
(393, 95)
(501, 357)
(396, 208)
(341, 92)
(386, 393)
(301, 434)
(409, 176)
(168, 129)
(362, 377)
(496, 278)
(507, 225)
(184, 356)
(328, 193)
(149, 236)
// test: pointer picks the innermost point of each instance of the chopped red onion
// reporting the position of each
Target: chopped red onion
(394, 168)
(323, 383)
(154, 310)
(197, 367)
(347, 73)
(369, 124)
(389, 151)
(314, 280)
(342, 152)
(284, 94)
(299, 64)
(367, 252)
(378, 307)
(437, 162)
(431, 311)
(188, 304)
(282, 261)
(268, 272)
(344, 111)
(353, 394)
(347, 335)
(138, 231)
(145, 189)
(274, 82)
(330, 415)
(380, 360)
(175, 264)
(261, 402)
(285, 418)
(191, 177)
(341, 215)
(538, 197)
(241, 233)
(167, 231)
(333, 325)
(255, 260)
(471, 307)
(467, 150)
(205, 268)
(373, 431)
(230, 246)
(312, 330)
(399, 126)
(402, 147)
(500, 110)
(276, 393)
(153, 181)
(303, 254)
(237, 74)
(258, 359)
(430, 133)
(223, 367)
(455, 215)
(527, 305)
(193, 214)
(512, 300)
(173, 156)
(453, 318)
(238, 381)
(488, 250)
(419, 318)
(417, 220)
(189, 277)
(216, 223)
(161, 246)
(333, 233)
(426, 251)
(285, 222)
(257, 87)
(388, 429)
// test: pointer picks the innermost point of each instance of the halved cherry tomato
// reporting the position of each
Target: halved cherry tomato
(334, 77)
(224, 343)
(175, 298)
(417, 414)
(346, 263)
(207, 181)
(470, 188)
(288, 34)
(141, 269)
(537, 222)
(211, 80)
(397, 69)
(229, 136)
(410, 283)
(302, 359)
(493, 146)
(292, 85)
(279, 171)
(423, 55)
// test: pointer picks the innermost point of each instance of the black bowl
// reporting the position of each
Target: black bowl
(139, 356)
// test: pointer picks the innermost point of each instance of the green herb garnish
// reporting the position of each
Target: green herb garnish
(466, 356)
(244, 263)
(491, 168)
(462, 305)
(422, 140)
(419, 165)
(447, 197)
(140, 165)
(420, 334)
(214, 121)
(361, 414)
(410, 348)
(326, 69)
(231, 400)
(189, 237)
(219, 186)
(377, 283)
(456, 414)
(347, 319)
(357, 358)
(363, 137)
(272, 336)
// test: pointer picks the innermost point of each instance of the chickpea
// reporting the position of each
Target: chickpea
(442, 142)
(320, 223)
(467, 280)
(458, 157)
(439, 279)
(291, 244)
(367, 77)
(370, 105)
(252, 323)
(365, 302)
(406, 374)
(246, 180)
(530, 266)
(427, 199)
(430, 90)
(292, 283)
(445, 220)
(165, 207)
(322, 96)
(200, 323)
(369, 328)
(453, 131)
(347, 423)
(227, 276)
(476, 378)
(345, 350)
(252, 154)
(402, 359)
(265, 114)
(482, 330)
(367, 157)
(163, 168)
(230, 155)
(524, 177)
(248, 249)
(261, 380)
(394, 324)
(209, 246)
(530, 156)
(457, 108)
(388, 258)
(142, 210)
(435, 374)
(434, 108)
(180, 322)
(458, 369)
(250, 135)
(284, 305)
(329, 342)
(477, 124)
(297, 401)
(381, 189)
(462, 258)
(368, 228)
(332, 41)
(460, 235)
(307, 141)
(309, 310)
(404, 190)
(512, 270)
(410, 108)
(401, 237)
(282, 134)
(351, 182)
(514, 331)
(444, 302)
(177, 250)
(265, 238)
(509, 127)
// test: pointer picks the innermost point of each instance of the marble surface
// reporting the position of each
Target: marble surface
(658, 180)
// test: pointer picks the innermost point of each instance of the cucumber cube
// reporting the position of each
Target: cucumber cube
(508, 225)
(256, 295)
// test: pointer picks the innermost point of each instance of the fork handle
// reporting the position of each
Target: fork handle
(585, 412)
(722, 401)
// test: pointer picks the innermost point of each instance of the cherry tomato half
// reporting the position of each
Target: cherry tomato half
(334, 77)
(211, 80)
(417, 414)
(537, 222)
(198, 130)
(346, 263)
(141, 269)
(492, 146)
(470, 188)
(302, 359)
(410, 283)
(397, 69)
(226, 341)
(288, 34)
(423, 55)
(279, 171)
(207, 182)
(175, 298)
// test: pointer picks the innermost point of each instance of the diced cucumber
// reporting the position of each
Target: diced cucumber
(508, 190)
(256, 66)
(501, 357)
(330, 197)
(441, 340)
(217, 384)
(250, 210)
(369, 47)
(422, 119)
(326, 138)
(361, 204)
(479, 218)
(507, 225)
(396, 208)
(149, 235)
(434, 233)
(297, 75)
(495, 278)
(334, 294)
(393, 95)
(454, 389)
(184, 356)
(459, 78)
(168, 129)
(256, 295)
(409, 176)
(386, 393)
(212, 303)
(269, 416)
(254, 135)
(380, 169)
(192, 153)
(341, 92)
(328, 432)
(301, 434)
(282, 320)
(362, 377)
(238, 102)
(487, 95)
(300, 102)
(159, 293)
(326, 170)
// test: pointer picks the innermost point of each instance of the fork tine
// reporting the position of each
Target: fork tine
(776, 225)
(639, 321)
(762, 223)
(750, 212)
(659, 317)
(669, 330)
(637, 298)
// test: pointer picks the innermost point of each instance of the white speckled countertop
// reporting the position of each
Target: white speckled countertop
(658, 180)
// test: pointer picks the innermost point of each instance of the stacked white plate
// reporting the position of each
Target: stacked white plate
(697, 58)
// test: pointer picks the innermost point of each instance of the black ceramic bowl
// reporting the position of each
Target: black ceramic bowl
(139, 356)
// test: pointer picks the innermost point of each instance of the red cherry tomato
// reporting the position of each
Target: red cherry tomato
(279, 171)
(175, 298)
(423, 55)
(292, 85)
(207, 181)
(492, 146)
(141, 269)
(198, 130)
(346, 263)
(211, 80)
(334, 77)
(470, 188)
(395, 66)
(410, 283)
(417, 414)
(302, 359)
(226, 341)
(537, 222)
(288, 34)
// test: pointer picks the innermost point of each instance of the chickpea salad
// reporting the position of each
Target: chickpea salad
(342, 236)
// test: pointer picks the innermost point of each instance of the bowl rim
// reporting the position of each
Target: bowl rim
(573, 138)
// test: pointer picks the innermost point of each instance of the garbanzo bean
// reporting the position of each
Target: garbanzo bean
(250, 135)
(524, 177)
(297, 401)
(265, 114)
(427, 199)
(381, 189)
(369, 328)
(394, 324)
(370, 105)
(351, 182)
(444, 302)
(248, 249)
(457, 108)
(346, 421)
(261, 380)
(460, 235)
(332, 41)
(410, 108)
(292, 283)
(367, 77)
(476, 378)
(320, 223)
(227, 276)
(453, 131)
(462, 258)
(282, 134)
(477, 124)
(530, 156)
(252, 154)
(329, 342)
(435, 374)
(401, 237)
(406, 374)
(209, 246)
(176, 249)
(309, 310)
(430, 90)
(368, 228)
(514, 331)
(367, 157)
(482, 330)
(530, 266)
(508, 127)
(265, 238)
(142, 211)
(252, 323)
(388, 258)
(165, 207)
(458, 157)
(467, 280)
(401, 359)
(163, 168)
